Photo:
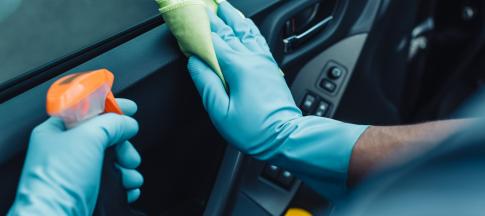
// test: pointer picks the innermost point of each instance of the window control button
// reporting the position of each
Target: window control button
(286, 179)
(328, 85)
(271, 172)
(322, 109)
(308, 103)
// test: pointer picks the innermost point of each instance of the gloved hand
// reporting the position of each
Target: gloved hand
(259, 115)
(62, 170)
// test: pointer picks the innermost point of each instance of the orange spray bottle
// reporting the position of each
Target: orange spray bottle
(76, 98)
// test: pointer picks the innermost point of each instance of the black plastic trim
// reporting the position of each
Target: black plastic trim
(226, 178)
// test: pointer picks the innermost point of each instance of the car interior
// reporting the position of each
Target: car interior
(376, 62)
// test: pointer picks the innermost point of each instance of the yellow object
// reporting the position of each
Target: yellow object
(297, 212)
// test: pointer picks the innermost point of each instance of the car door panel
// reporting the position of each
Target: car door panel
(188, 167)
(130, 63)
(175, 129)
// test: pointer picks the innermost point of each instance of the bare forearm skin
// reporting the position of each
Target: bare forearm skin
(381, 147)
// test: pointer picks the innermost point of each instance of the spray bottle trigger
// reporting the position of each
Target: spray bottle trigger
(111, 106)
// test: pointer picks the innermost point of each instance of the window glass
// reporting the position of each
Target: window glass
(36, 32)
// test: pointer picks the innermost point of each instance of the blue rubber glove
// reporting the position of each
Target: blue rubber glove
(62, 170)
(259, 115)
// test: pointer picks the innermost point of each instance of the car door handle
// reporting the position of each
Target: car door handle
(293, 41)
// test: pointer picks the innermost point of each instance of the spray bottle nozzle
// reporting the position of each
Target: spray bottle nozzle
(81, 96)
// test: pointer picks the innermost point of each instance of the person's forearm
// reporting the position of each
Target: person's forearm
(381, 147)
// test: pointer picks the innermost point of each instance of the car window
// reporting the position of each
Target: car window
(36, 32)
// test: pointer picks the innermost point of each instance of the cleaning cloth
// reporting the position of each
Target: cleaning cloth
(189, 23)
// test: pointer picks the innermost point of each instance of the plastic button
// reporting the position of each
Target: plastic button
(328, 85)
(322, 109)
(286, 179)
(271, 172)
(308, 103)
(335, 73)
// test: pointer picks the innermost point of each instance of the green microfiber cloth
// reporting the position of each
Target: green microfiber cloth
(189, 23)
